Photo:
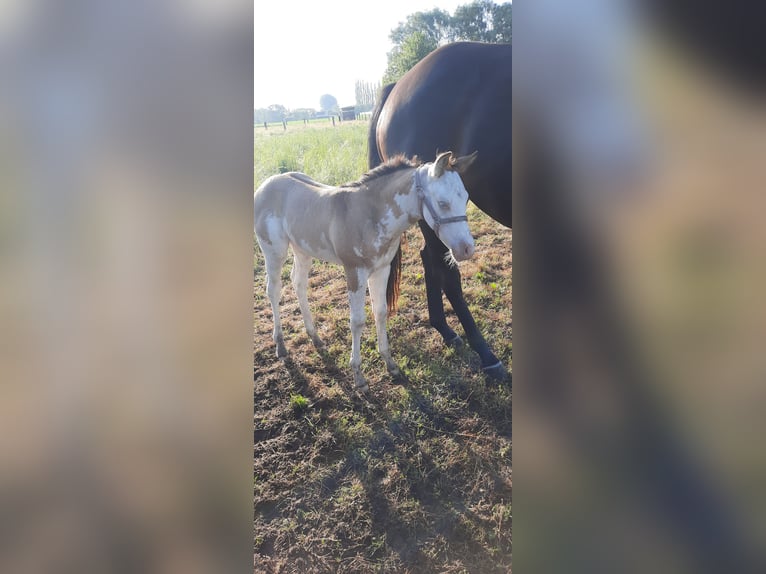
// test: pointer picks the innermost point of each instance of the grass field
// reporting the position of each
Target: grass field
(416, 475)
(330, 155)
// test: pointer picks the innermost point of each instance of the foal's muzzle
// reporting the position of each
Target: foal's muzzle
(463, 251)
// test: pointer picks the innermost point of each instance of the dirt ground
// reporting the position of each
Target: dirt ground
(415, 476)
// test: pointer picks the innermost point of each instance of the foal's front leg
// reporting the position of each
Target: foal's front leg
(274, 291)
(377, 282)
(356, 279)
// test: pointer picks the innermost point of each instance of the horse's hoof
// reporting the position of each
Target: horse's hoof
(454, 342)
(281, 351)
(496, 372)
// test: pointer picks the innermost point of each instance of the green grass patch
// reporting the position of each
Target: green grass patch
(298, 403)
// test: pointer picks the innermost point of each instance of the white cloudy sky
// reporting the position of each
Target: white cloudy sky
(304, 49)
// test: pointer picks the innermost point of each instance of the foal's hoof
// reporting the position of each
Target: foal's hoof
(281, 351)
(360, 384)
(496, 372)
(455, 342)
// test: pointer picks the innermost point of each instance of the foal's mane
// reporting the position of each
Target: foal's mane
(394, 164)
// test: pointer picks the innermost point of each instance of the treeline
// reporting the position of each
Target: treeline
(366, 92)
(423, 32)
(277, 113)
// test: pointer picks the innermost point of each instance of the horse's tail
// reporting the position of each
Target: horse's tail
(374, 159)
(373, 154)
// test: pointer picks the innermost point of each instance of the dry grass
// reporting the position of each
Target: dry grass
(416, 475)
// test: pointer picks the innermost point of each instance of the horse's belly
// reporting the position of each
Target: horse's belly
(318, 246)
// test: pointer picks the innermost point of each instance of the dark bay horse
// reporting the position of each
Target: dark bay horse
(459, 97)
(560, 273)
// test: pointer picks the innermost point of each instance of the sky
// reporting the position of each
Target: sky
(304, 49)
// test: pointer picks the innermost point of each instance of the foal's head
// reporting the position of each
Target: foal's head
(445, 199)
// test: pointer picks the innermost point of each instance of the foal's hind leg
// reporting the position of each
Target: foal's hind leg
(300, 277)
(377, 284)
(356, 279)
(275, 254)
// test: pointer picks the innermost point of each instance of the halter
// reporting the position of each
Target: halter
(425, 200)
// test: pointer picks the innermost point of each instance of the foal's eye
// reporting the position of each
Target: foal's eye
(444, 205)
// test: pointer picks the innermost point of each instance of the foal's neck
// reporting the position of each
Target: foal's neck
(397, 190)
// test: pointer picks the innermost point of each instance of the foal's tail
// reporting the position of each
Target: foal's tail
(374, 159)
(394, 280)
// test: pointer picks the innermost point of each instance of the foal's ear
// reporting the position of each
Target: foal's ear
(461, 164)
(443, 161)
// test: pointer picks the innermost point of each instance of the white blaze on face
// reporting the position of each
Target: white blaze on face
(449, 198)
(577, 62)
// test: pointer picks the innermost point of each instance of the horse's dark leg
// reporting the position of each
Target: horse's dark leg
(434, 277)
(440, 277)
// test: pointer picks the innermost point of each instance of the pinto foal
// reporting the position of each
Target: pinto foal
(359, 226)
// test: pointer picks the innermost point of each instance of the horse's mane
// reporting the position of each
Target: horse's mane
(394, 164)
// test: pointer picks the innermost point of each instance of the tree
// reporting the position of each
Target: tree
(328, 103)
(276, 113)
(423, 32)
(482, 21)
(473, 21)
(366, 93)
(413, 48)
(302, 113)
(436, 24)
(501, 23)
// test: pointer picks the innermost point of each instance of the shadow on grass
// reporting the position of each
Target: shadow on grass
(432, 513)
(406, 533)
(445, 377)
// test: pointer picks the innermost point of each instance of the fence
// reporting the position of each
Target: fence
(347, 113)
